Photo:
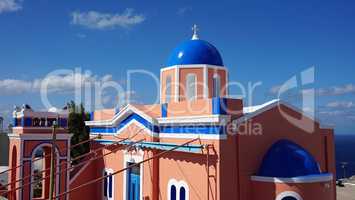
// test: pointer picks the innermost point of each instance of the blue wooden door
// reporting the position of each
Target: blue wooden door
(134, 183)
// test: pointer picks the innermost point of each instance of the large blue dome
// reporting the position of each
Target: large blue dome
(195, 52)
(286, 159)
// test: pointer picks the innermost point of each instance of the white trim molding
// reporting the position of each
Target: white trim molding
(252, 111)
(193, 66)
(202, 119)
(288, 194)
(193, 136)
(300, 179)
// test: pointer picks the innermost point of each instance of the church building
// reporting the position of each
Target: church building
(196, 144)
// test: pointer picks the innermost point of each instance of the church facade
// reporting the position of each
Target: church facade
(198, 143)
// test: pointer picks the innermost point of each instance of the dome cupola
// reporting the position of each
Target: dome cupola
(195, 70)
(195, 51)
(286, 159)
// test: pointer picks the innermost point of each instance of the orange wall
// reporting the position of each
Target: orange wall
(190, 108)
(90, 192)
(252, 148)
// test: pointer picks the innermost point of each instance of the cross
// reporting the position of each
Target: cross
(194, 29)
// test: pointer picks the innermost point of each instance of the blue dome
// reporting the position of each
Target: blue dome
(195, 52)
(286, 159)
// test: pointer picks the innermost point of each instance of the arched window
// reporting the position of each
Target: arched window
(168, 89)
(182, 193)
(173, 192)
(41, 156)
(108, 184)
(191, 86)
(216, 85)
(288, 195)
(12, 195)
(289, 198)
(178, 190)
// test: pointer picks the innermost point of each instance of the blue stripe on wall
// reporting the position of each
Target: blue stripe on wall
(164, 110)
(131, 117)
(219, 106)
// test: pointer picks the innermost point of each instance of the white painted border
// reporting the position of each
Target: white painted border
(299, 179)
(194, 66)
(128, 157)
(178, 185)
(289, 194)
(208, 119)
(253, 111)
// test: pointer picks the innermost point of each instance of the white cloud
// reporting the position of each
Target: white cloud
(101, 21)
(9, 6)
(341, 104)
(337, 90)
(329, 91)
(14, 86)
(55, 83)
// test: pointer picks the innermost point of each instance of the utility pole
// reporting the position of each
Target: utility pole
(52, 169)
(343, 165)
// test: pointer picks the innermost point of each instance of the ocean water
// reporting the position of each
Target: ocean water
(345, 152)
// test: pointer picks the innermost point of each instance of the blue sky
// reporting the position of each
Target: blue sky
(267, 41)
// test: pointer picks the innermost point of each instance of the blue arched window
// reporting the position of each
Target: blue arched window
(173, 192)
(182, 193)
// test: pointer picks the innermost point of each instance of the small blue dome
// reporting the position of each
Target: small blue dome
(286, 159)
(195, 52)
